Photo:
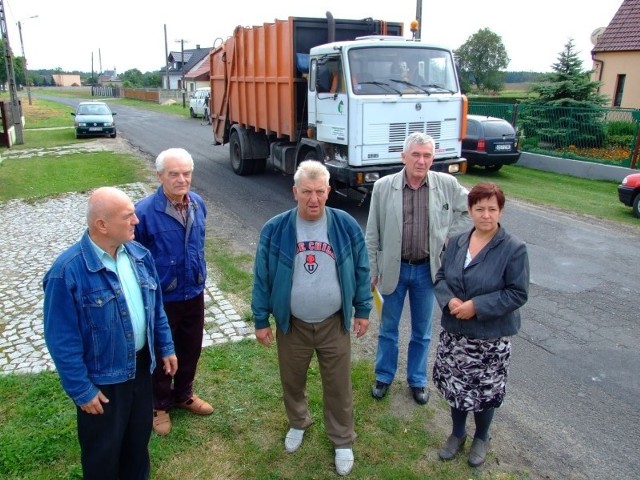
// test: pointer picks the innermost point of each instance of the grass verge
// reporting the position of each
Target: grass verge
(591, 198)
(39, 177)
(242, 439)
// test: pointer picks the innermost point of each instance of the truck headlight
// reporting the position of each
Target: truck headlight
(371, 177)
(454, 168)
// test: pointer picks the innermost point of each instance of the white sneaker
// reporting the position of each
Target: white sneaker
(344, 461)
(293, 440)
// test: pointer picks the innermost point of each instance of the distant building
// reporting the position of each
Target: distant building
(109, 77)
(66, 80)
(198, 76)
(616, 56)
(177, 65)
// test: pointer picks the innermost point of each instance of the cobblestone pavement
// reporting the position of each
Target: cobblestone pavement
(34, 234)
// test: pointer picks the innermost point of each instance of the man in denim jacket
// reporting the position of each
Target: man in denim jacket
(103, 324)
(172, 226)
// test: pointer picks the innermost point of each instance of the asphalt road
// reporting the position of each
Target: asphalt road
(573, 403)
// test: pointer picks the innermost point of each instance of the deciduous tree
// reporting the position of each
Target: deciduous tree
(482, 59)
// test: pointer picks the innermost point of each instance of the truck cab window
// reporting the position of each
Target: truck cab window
(330, 78)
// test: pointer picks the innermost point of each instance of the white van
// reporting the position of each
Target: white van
(199, 103)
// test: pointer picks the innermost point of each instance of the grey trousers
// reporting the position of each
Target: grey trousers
(332, 345)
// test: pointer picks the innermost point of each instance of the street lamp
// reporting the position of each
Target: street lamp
(24, 58)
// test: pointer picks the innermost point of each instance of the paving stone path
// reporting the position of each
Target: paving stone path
(34, 233)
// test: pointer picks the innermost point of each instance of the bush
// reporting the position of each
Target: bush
(619, 127)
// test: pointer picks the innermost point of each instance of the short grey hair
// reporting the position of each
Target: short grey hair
(418, 138)
(311, 170)
(180, 153)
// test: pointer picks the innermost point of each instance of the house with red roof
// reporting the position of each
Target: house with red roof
(616, 56)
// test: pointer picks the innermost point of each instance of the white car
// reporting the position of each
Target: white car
(199, 103)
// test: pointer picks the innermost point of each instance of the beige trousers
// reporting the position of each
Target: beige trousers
(332, 345)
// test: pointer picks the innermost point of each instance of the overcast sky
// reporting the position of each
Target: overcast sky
(131, 34)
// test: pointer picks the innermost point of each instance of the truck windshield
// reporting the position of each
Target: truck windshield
(386, 70)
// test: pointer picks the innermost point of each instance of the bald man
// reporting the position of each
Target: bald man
(103, 324)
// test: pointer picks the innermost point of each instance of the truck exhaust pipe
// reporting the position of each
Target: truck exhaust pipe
(331, 27)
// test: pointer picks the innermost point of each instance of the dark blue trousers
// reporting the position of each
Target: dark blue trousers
(114, 445)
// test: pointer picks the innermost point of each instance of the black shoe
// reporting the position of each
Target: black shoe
(420, 395)
(379, 390)
(451, 447)
(478, 451)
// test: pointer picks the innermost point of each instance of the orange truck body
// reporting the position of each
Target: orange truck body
(325, 89)
(254, 79)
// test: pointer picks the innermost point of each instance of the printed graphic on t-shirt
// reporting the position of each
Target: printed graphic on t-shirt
(310, 264)
(309, 248)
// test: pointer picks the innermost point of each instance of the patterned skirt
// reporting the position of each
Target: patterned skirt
(471, 373)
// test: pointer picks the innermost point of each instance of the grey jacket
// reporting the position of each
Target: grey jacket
(447, 217)
(497, 280)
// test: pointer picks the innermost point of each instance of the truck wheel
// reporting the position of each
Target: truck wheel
(636, 205)
(239, 165)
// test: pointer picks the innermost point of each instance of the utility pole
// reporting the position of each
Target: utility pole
(182, 62)
(24, 58)
(166, 58)
(418, 34)
(16, 111)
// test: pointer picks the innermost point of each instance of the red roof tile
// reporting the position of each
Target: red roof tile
(623, 32)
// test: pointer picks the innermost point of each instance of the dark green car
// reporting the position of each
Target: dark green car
(94, 119)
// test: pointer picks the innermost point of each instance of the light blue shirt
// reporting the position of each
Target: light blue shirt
(123, 268)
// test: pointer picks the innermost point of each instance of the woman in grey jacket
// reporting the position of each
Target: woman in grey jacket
(483, 281)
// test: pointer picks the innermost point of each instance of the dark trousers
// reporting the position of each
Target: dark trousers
(114, 445)
(186, 320)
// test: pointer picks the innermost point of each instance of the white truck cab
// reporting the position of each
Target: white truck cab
(366, 96)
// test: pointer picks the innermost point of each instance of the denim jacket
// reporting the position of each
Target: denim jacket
(273, 268)
(86, 319)
(178, 251)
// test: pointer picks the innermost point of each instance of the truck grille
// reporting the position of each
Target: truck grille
(399, 131)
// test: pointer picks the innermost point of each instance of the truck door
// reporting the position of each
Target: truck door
(330, 100)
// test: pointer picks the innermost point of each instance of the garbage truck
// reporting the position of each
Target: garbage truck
(344, 92)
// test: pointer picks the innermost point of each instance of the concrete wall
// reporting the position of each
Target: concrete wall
(576, 168)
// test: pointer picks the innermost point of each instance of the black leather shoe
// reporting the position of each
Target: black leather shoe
(451, 447)
(379, 390)
(420, 395)
(478, 451)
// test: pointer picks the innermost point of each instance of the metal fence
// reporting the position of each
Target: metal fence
(108, 91)
(600, 135)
